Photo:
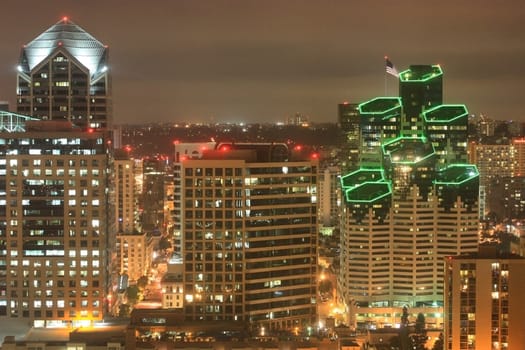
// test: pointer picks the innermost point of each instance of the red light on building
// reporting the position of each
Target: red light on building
(176, 142)
(183, 158)
(315, 156)
(90, 130)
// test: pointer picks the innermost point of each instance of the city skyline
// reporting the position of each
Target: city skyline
(254, 61)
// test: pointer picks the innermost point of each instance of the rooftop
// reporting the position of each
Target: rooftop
(445, 113)
(457, 174)
(408, 150)
(386, 107)
(420, 73)
(69, 36)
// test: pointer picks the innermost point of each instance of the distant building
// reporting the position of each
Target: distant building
(349, 121)
(56, 224)
(134, 254)
(173, 286)
(249, 229)
(329, 197)
(484, 301)
(63, 74)
(126, 197)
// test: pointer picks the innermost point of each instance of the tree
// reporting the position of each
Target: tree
(142, 282)
(404, 340)
(164, 244)
(440, 342)
(132, 294)
(325, 286)
(419, 338)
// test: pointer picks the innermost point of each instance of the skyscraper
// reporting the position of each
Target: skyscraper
(63, 75)
(55, 224)
(249, 232)
(412, 202)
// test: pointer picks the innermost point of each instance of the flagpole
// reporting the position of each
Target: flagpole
(386, 58)
(385, 83)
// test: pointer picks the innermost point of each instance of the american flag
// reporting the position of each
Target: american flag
(390, 68)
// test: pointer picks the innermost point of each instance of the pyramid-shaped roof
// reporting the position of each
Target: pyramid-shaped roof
(65, 34)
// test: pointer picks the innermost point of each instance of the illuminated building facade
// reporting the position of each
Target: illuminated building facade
(126, 202)
(350, 123)
(63, 75)
(55, 225)
(249, 231)
(134, 254)
(412, 202)
(484, 301)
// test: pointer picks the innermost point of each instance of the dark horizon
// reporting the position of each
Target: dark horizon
(253, 61)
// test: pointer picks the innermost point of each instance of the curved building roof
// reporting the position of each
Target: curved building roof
(66, 34)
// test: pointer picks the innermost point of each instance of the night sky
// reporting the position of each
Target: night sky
(264, 60)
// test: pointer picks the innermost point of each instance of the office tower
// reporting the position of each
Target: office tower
(349, 121)
(55, 224)
(249, 229)
(380, 121)
(420, 88)
(484, 301)
(412, 202)
(63, 75)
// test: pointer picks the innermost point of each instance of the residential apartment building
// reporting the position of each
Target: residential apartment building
(484, 301)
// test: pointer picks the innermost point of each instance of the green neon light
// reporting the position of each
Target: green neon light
(458, 173)
(445, 113)
(380, 105)
(359, 176)
(399, 142)
(410, 76)
(373, 190)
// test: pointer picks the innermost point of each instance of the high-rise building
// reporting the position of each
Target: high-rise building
(126, 199)
(350, 123)
(55, 224)
(329, 196)
(484, 301)
(63, 75)
(413, 201)
(249, 231)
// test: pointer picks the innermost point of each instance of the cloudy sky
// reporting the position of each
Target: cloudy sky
(264, 60)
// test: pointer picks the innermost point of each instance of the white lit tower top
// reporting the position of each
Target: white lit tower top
(63, 75)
